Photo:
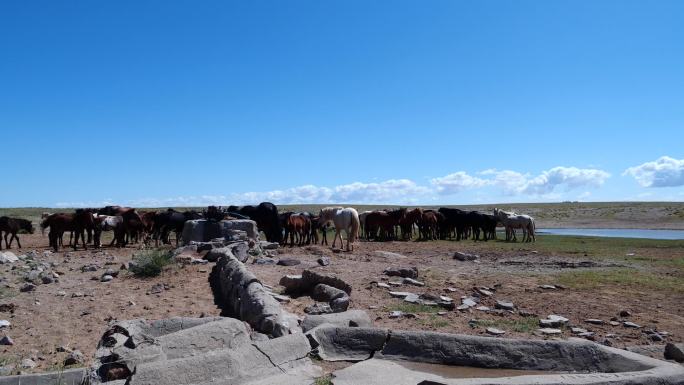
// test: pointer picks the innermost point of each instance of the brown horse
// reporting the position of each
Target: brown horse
(13, 226)
(300, 225)
(428, 225)
(58, 224)
(385, 222)
(412, 217)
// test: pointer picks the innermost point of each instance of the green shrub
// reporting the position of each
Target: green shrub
(149, 263)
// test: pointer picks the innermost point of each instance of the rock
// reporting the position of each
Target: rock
(628, 324)
(674, 352)
(553, 321)
(412, 298)
(27, 287)
(312, 278)
(28, 363)
(594, 321)
(46, 279)
(613, 323)
(404, 272)
(326, 293)
(86, 268)
(157, 288)
(7, 307)
(576, 330)
(527, 313)
(7, 257)
(495, 331)
(411, 281)
(269, 245)
(74, 358)
(445, 298)
(383, 285)
(318, 308)
(6, 340)
(396, 314)
(399, 294)
(547, 287)
(504, 305)
(293, 284)
(323, 261)
(264, 261)
(485, 292)
(465, 256)
(77, 295)
(106, 278)
(469, 301)
(549, 331)
(483, 308)
(349, 318)
(656, 337)
(4, 323)
(625, 313)
(289, 262)
(202, 230)
(451, 289)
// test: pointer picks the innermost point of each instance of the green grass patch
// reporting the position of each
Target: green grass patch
(628, 278)
(325, 380)
(521, 325)
(150, 263)
(408, 307)
(434, 321)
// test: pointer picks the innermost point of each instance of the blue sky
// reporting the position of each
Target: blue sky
(159, 103)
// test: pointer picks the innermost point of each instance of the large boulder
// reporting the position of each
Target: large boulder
(349, 318)
(203, 230)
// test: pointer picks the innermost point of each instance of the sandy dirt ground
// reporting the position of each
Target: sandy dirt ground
(74, 311)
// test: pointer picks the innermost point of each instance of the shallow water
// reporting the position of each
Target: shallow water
(618, 233)
(448, 371)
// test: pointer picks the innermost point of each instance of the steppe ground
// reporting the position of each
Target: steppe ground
(600, 278)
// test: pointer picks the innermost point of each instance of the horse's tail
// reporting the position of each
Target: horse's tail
(355, 224)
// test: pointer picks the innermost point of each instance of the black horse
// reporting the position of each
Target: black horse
(266, 217)
(13, 226)
(171, 220)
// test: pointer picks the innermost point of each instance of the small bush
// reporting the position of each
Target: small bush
(149, 263)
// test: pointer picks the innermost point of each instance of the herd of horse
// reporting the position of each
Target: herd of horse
(130, 225)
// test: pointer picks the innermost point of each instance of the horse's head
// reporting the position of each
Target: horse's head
(29, 227)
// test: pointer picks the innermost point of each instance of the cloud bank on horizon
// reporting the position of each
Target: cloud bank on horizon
(548, 185)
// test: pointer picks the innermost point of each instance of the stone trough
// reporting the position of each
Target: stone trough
(428, 358)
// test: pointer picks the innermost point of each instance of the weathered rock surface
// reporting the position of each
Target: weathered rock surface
(349, 318)
(404, 272)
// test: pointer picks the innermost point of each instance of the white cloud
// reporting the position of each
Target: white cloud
(457, 182)
(663, 172)
(544, 184)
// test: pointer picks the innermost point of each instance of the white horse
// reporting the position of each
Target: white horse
(512, 221)
(346, 219)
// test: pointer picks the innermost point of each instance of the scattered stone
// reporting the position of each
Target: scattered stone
(594, 321)
(265, 261)
(393, 283)
(399, 294)
(549, 331)
(553, 321)
(411, 281)
(656, 337)
(86, 268)
(383, 285)
(412, 298)
(74, 358)
(625, 313)
(27, 287)
(485, 292)
(465, 256)
(323, 261)
(7, 307)
(587, 335)
(8, 257)
(547, 287)
(404, 272)
(156, 289)
(77, 295)
(396, 314)
(451, 289)
(628, 324)
(495, 331)
(614, 323)
(445, 298)
(483, 308)
(527, 313)
(4, 323)
(576, 330)
(28, 363)
(46, 279)
(504, 305)
(106, 278)
(674, 352)
(6, 340)
(469, 302)
(318, 308)
(268, 245)
(442, 312)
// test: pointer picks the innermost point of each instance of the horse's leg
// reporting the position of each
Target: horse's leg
(18, 243)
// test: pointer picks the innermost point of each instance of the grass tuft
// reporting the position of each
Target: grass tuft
(325, 380)
(149, 263)
(522, 325)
